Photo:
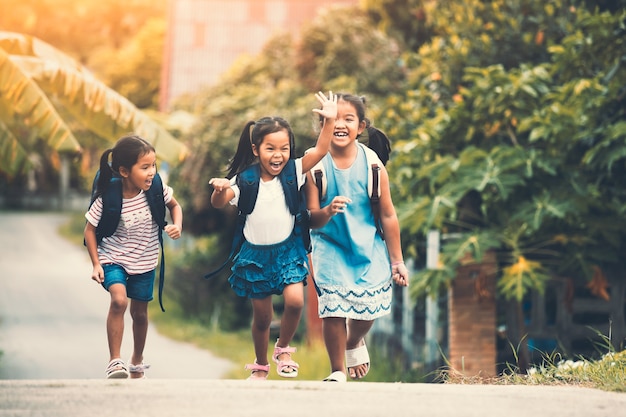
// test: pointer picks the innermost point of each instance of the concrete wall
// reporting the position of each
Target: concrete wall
(205, 37)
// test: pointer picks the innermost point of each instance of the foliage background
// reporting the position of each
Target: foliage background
(506, 117)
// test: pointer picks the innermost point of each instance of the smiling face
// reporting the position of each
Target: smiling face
(347, 125)
(140, 175)
(273, 153)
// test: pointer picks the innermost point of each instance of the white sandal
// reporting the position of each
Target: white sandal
(358, 356)
(336, 376)
(138, 369)
(116, 369)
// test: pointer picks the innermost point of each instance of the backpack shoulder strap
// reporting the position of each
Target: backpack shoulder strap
(248, 183)
(373, 184)
(111, 209)
(296, 201)
(156, 201)
(289, 181)
(373, 172)
(319, 176)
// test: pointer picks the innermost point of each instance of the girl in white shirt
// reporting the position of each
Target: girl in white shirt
(271, 259)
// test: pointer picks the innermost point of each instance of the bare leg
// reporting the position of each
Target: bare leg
(262, 312)
(139, 314)
(335, 336)
(357, 330)
(294, 303)
(115, 319)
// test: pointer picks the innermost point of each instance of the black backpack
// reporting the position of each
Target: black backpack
(112, 210)
(248, 183)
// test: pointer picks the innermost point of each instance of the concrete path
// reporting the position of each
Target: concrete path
(230, 398)
(52, 315)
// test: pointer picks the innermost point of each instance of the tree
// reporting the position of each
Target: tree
(43, 92)
(511, 139)
(134, 70)
(540, 142)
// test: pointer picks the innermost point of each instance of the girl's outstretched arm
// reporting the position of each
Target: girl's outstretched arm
(222, 193)
(329, 113)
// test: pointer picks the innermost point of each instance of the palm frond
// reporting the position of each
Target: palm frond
(23, 100)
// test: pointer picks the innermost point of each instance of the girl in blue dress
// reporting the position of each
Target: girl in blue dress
(353, 266)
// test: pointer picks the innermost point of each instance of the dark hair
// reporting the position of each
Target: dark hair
(373, 137)
(253, 134)
(125, 153)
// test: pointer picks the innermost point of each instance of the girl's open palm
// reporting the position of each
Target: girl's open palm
(329, 105)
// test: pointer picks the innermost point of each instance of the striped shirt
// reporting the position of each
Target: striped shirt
(135, 244)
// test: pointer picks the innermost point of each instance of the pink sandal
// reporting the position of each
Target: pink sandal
(282, 365)
(255, 368)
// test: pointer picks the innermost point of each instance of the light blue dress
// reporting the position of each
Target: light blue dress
(350, 259)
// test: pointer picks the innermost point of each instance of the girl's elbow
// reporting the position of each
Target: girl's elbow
(217, 203)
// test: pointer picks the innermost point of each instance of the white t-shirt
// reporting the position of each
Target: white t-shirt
(270, 222)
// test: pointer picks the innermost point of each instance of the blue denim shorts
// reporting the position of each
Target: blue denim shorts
(138, 287)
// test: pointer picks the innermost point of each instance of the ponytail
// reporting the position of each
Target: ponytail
(376, 140)
(244, 155)
(106, 173)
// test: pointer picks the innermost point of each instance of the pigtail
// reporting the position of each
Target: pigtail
(244, 156)
(105, 174)
(379, 143)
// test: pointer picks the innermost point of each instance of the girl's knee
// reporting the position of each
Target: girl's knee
(294, 305)
(139, 316)
(261, 320)
(293, 296)
(118, 304)
(261, 324)
(139, 311)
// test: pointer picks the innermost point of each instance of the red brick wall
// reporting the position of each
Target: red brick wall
(472, 319)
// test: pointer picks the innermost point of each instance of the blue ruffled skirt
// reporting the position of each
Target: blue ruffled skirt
(263, 270)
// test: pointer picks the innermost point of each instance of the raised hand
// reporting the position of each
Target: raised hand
(329, 105)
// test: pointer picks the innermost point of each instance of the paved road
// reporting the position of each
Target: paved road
(52, 315)
(231, 398)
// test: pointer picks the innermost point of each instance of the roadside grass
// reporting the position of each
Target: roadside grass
(73, 229)
(608, 373)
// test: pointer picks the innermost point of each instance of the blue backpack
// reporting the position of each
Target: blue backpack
(112, 210)
(248, 183)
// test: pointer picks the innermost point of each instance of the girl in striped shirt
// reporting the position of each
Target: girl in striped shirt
(125, 262)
